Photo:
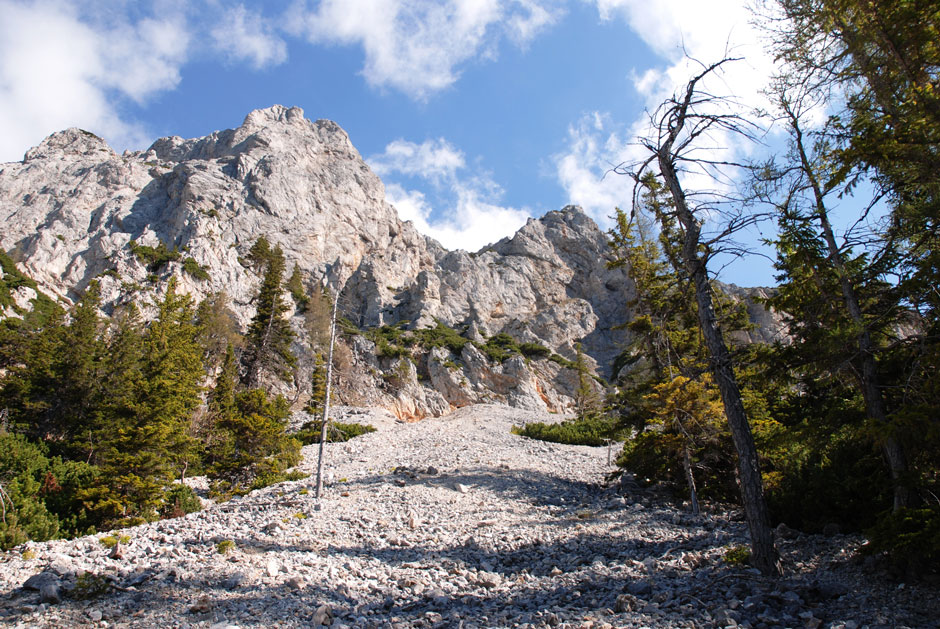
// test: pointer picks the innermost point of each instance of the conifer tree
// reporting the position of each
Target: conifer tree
(587, 402)
(295, 286)
(78, 367)
(269, 334)
(317, 386)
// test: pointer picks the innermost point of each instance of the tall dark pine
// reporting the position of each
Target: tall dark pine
(270, 335)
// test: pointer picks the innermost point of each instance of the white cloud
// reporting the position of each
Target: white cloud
(58, 71)
(473, 218)
(434, 159)
(417, 46)
(246, 36)
(684, 33)
(595, 146)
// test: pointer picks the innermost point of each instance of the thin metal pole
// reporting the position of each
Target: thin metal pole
(326, 401)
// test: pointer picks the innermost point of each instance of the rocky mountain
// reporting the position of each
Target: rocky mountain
(74, 210)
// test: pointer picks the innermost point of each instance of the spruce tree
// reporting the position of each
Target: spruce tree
(295, 286)
(269, 334)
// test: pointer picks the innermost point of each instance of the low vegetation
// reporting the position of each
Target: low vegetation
(336, 431)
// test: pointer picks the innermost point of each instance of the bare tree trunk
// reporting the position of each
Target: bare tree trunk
(326, 398)
(763, 552)
(690, 479)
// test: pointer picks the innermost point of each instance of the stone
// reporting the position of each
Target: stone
(233, 581)
(626, 603)
(272, 567)
(117, 552)
(785, 532)
(94, 615)
(322, 616)
(36, 581)
(202, 606)
(50, 593)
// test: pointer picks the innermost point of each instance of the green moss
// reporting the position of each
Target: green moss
(110, 541)
(224, 546)
(89, 586)
(737, 556)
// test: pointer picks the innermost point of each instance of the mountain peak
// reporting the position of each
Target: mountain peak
(260, 118)
(72, 142)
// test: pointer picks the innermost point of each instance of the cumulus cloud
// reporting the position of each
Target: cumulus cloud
(595, 145)
(246, 36)
(684, 34)
(57, 71)
(73, 63)
(473, 217)
(434, 160)
(417, 46)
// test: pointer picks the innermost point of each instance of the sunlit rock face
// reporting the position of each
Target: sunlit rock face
(72, 207)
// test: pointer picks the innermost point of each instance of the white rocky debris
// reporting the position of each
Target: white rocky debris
(535, 540)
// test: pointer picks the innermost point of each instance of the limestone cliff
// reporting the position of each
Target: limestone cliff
(74, 210)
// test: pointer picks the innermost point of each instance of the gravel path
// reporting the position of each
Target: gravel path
(451, 522)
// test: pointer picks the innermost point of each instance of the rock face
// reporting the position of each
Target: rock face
(72, 208)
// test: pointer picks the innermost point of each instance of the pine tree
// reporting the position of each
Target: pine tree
(586, 400)
(78, 368)
(150, 442)
(317, 386)
(295, 286)
(269, 334)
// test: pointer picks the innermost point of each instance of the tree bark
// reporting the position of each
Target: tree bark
(763, 552)
(690, 478)
(326, 399)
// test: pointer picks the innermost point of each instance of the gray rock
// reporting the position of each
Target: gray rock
(322, 616)
(50, 593)
(36, 581)
(72, 207)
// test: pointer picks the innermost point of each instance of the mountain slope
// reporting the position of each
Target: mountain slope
(73, 210)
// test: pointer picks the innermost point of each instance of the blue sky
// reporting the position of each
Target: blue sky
(475, 113)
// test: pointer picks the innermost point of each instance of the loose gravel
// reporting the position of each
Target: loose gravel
(450, 522)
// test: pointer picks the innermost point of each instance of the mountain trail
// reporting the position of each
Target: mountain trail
(450, 522)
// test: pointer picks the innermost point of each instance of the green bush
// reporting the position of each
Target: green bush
(909, 539)
(336, 432)
(591, 431)
(440, 336)
(534, 350)
(384, 349)
(22, 465)
(195, 269)
(11, 280)
(180, 500)
(154, 257)
(564, 362)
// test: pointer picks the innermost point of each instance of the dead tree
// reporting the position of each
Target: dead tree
(324, 426)
(682, 127)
